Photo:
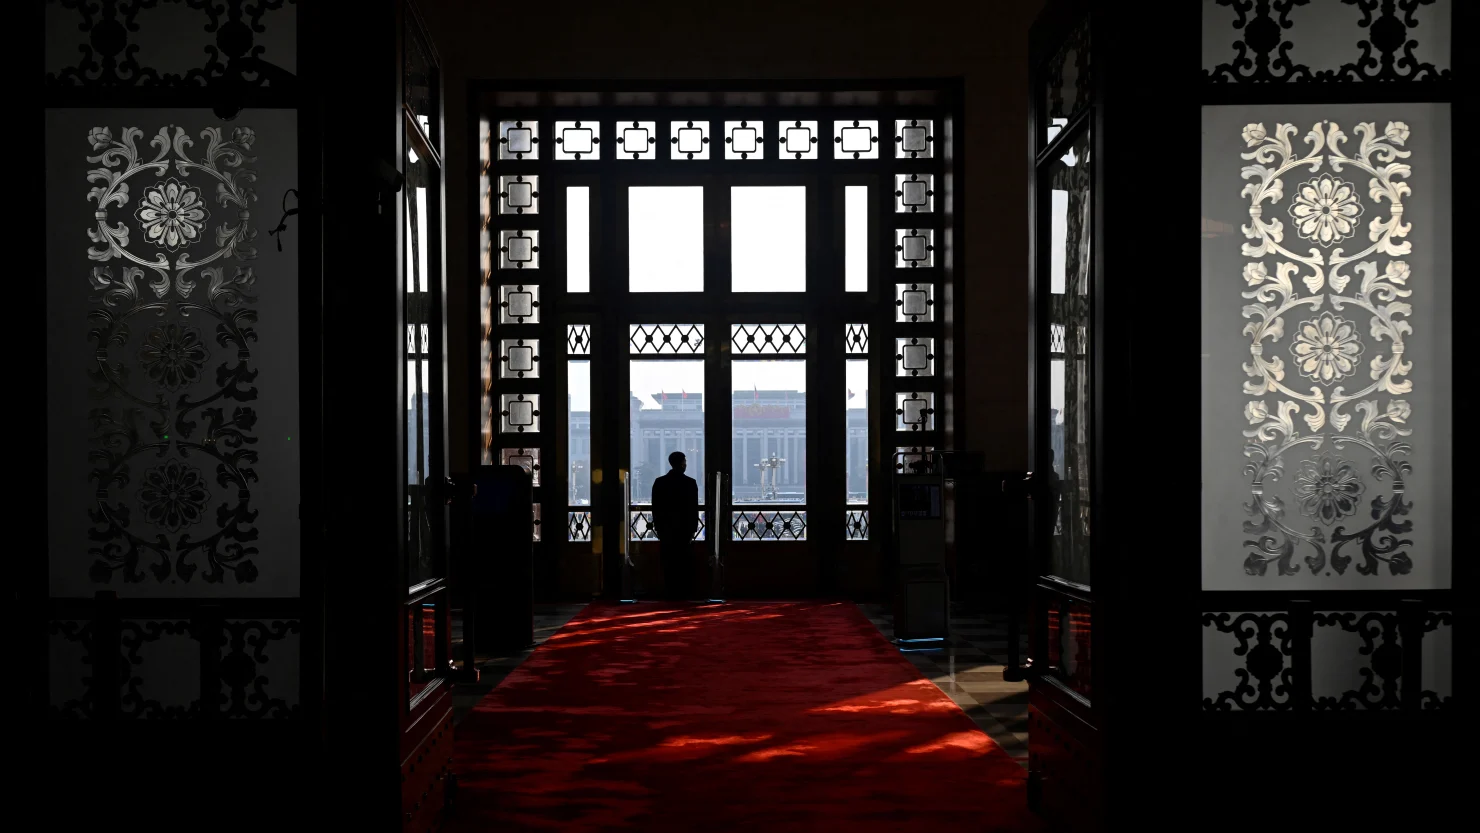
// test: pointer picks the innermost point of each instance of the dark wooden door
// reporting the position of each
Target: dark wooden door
(1065, 711)
(425, 657)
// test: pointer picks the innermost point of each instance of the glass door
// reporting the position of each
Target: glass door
(666, 418)
(714, 274)
(767, 371)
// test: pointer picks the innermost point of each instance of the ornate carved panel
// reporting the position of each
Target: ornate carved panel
(159, 669)
(1325, 41)
(259, 669)
(1247, 661)
(69, 668)
(1356, 661)
(1327, 332)
(1436, 684)
(171, 43)
(170, 407)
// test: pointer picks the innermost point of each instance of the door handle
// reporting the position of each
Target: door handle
(442, 489)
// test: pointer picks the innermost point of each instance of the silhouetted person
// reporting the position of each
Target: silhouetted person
(676, 519)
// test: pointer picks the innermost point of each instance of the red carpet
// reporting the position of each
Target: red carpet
(762, 716)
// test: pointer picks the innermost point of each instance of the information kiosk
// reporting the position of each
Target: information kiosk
(922, 591)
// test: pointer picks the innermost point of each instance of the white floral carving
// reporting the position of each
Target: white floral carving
(172, 214)
(1328, 489)
(1327, 348)
(222, 162)
(1326, 210)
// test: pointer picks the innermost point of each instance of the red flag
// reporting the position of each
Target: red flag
(664, 395)
(685, 393)
(757, 393)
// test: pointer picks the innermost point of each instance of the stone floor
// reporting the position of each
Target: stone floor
(969, 670)
(548, 619)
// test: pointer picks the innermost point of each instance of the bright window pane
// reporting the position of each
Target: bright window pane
(665, 239)
(855, 238)
(856, 374)
(578, 394)
(578, 239)
(768, 436)
(768, 239)
(667, 407)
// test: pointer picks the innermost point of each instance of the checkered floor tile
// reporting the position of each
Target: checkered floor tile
(547, 620)
(969, 670)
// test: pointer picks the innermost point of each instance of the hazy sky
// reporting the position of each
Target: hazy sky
(666, 254)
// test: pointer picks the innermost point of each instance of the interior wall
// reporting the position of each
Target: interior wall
(984, 42)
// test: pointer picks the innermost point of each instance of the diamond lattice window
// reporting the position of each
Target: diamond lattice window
(648, 339)
(768, 338)
(578, 339)
(768, 526)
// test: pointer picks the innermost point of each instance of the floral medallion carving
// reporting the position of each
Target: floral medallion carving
(173, 355)
(173, 496)
(172, 215)
(1326, 348)
(1345, 435)
(164, 422)
(1328, 489)
(1326, 210)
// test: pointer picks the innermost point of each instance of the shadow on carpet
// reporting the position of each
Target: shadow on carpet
(771, 716)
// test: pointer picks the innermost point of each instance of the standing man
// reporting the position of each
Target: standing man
(676, 519)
